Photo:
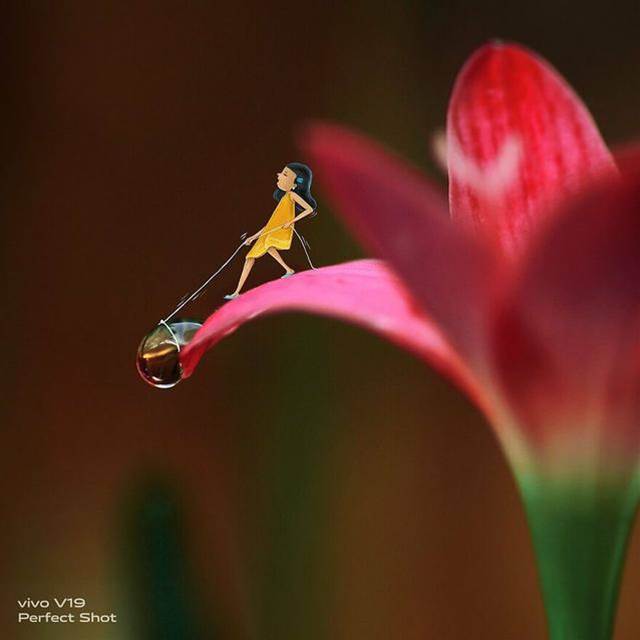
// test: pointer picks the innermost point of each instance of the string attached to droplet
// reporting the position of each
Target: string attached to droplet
(188, 298)
(200, 290)
(158, 357)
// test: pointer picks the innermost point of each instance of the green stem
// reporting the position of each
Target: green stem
(580, 532)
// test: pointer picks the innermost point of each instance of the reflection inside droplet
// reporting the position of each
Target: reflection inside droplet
(158, 358)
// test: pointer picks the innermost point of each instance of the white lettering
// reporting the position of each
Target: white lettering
(96, 617)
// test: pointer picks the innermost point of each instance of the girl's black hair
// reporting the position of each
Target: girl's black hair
(303, 188)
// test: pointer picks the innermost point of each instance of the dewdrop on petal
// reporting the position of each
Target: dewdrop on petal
(158, 357)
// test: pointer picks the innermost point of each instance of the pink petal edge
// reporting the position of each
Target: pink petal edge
(364, 292)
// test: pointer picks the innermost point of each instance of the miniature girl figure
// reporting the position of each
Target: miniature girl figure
(293, 190)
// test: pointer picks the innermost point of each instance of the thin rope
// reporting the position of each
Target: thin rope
(304, 244)
(173, 335)
(189, 298)
(205, 284)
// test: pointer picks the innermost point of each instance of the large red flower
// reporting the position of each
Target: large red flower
(524, 290)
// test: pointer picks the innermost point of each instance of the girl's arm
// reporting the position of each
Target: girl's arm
(306, 208)
(250, 239)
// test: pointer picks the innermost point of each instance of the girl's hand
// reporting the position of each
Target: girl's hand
(286, 225)
(248, 241)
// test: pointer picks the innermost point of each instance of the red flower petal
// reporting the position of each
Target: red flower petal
(507, 97)
(364, 292)
(402, 218)
(568, 337)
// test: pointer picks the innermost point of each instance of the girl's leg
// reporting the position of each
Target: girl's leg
(248, 265)
(278, 258)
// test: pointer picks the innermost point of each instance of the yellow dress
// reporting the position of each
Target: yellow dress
(280, 238)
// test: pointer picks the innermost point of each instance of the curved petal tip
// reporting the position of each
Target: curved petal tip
(505, 93)
(363, 292)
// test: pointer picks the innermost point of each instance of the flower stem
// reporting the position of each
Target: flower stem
(580, 531)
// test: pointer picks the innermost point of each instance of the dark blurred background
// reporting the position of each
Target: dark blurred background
(309, 481)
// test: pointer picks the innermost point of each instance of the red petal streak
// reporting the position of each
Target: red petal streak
(503, 94)
(364, 292)
(402, 218)
(568, 338)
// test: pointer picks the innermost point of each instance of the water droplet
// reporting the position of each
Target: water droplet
(158, 358)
